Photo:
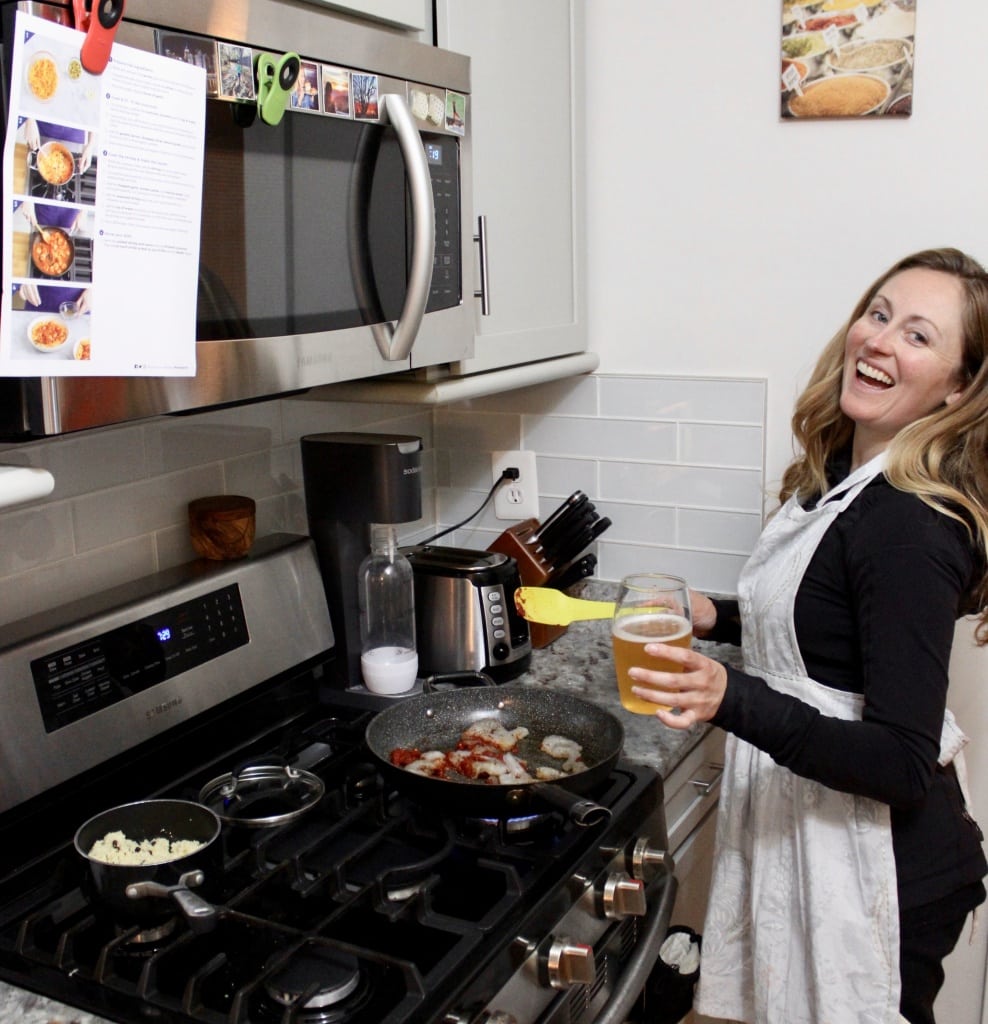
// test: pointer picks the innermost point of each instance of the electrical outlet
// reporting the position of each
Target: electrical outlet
(516, 499)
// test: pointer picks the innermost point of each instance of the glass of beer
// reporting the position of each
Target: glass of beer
(650, 608)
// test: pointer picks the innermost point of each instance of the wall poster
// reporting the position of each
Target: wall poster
(847, 58)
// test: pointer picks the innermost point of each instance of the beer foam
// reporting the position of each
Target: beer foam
(646, 629)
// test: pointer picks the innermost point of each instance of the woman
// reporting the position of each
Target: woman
(846, 861)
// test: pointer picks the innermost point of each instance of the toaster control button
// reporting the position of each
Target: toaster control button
(501, 651)
(496, 609)
(497, 620)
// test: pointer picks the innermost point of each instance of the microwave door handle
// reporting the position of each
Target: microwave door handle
(395, 341)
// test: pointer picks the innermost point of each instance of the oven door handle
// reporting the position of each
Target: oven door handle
(394, 341)
(632, 980)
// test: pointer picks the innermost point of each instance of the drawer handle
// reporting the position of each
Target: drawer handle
(704, 786)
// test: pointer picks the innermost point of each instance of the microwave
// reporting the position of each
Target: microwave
(335, 244)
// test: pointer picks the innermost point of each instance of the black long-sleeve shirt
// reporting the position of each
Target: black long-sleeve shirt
(875, 614)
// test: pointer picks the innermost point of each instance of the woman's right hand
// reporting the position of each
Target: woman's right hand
(704, 613)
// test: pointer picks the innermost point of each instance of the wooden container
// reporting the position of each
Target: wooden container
(222, 526)
(533, 571)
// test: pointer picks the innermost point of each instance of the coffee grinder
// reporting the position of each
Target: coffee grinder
(353, 480)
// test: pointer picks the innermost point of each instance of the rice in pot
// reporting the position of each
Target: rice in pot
(116, 848)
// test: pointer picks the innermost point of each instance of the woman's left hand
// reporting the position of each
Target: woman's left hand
(696, 692)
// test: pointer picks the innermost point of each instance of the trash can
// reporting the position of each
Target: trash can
(668, 993)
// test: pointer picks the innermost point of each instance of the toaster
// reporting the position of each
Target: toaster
(465, 616)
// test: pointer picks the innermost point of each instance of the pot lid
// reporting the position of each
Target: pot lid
(262, 795)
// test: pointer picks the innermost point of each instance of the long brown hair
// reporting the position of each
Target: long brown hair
(942, 457)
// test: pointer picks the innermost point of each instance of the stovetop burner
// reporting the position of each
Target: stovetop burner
(319, 979)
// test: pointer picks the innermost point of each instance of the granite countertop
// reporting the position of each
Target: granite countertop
(579, 662)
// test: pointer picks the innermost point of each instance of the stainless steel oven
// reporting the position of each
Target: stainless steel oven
(369, 908)
(336, 244)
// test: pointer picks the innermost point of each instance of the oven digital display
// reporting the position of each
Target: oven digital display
(77, 681)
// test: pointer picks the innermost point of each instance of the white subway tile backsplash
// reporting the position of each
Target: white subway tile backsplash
(478, 432)
(708, 571)
(683, 398)
(178, 443)
(108, 517)
(645, 524)
(714, 444)
(81, 463)
(559, 478)
(72, 579)
(675, 463)
(722, 531)
(600, 438)
(265, 473)
(574, 396)
(707, 487)
(35, 536)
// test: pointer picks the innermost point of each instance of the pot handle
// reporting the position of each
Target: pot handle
(582, 812)
(201, 915)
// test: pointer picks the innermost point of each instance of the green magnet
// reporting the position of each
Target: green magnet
(275, 80)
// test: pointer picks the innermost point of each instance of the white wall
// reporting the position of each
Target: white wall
(724, 241)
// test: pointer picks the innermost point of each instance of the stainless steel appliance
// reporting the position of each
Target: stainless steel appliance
(369, 908)
(335, 245)
(465, 617)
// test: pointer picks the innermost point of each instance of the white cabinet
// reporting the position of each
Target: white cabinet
(526, 112)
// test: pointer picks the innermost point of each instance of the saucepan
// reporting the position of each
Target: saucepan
(436, 721)
(144, 894)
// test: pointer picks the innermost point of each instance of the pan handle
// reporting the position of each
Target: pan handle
(200, 914)
(582, 812)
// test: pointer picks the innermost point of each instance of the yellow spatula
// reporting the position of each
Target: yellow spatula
(554, 608)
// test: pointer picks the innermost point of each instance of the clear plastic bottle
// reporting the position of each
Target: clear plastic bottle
(388, 658)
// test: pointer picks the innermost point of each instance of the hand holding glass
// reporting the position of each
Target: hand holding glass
(650, 608)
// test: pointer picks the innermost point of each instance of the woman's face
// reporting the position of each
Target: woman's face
(902, 358)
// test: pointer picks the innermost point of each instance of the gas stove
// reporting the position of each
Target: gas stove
(368, 908)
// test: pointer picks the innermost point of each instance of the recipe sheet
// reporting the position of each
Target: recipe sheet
(102, 181)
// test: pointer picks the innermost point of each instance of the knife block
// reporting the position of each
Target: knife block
(532, 570)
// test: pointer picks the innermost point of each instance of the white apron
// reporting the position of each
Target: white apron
(803, 921)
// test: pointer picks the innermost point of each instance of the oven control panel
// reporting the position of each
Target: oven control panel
(80, 680)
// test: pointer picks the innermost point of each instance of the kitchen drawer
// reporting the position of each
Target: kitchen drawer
(693, 787)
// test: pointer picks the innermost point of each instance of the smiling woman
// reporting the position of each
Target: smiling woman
(845, 842)
(903, 357)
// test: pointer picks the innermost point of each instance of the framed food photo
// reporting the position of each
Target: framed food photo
(847, 58)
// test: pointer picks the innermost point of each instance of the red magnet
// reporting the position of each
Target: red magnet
(99, 30)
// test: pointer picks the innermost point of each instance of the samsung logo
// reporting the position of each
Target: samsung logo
(318, 359)
(161, 709)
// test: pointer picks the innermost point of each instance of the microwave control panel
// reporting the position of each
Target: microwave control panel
(84, 678)
(443, 155)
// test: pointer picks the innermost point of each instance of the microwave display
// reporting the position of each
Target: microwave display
(306, 226)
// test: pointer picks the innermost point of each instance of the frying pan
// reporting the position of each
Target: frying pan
(36, 236)
(435, 721)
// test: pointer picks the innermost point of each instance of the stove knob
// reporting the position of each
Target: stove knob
(623, 896)
(646, 861)
(570, 963)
